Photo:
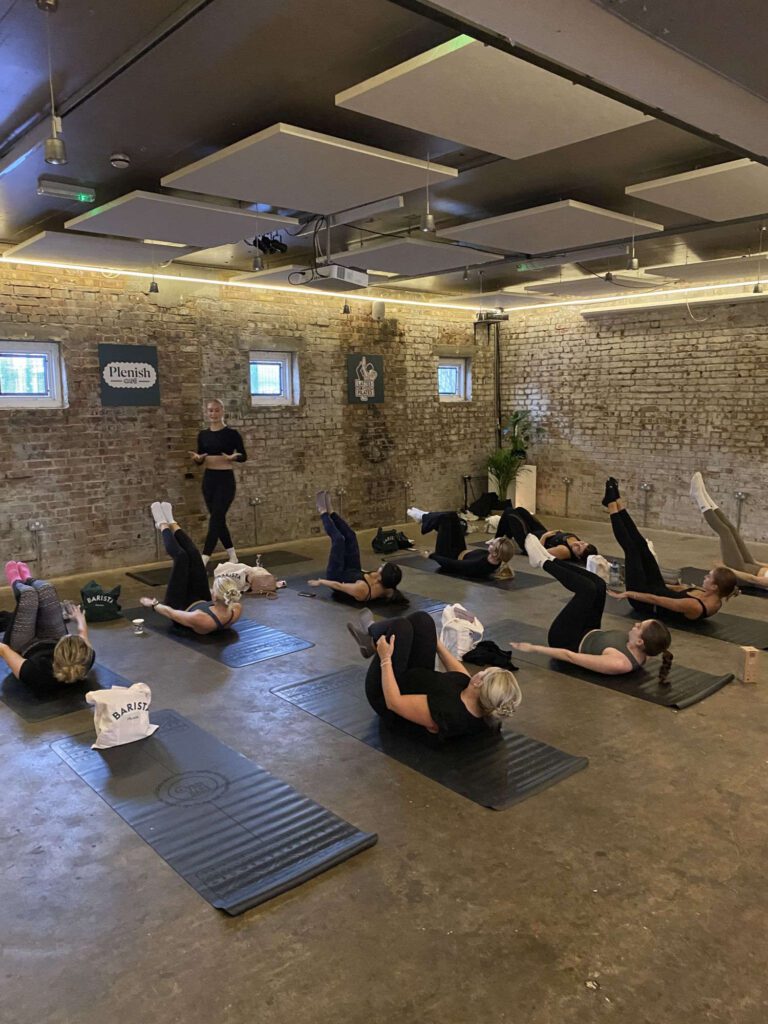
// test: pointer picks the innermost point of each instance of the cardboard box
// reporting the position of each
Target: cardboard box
(748, 669)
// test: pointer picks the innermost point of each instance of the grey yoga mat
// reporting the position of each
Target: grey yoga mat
(687, 686)
(691, 574)
(732, 629)
(269, 559)
(235, 833)
(496, 771)
(521, 581)
(68, 698)
(245, 643)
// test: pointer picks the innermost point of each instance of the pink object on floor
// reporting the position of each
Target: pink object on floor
(12, 573)
(24, 573)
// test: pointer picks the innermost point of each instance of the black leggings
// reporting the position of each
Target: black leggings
(219, 489)
(641, 570)
(516, 523)
(415, 647)
(584, 611)
(451, 542)
(189, 581)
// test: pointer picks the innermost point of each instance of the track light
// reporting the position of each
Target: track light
(345, 308)
(55, 151)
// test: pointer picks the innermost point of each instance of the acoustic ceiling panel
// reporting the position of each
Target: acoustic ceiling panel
(481, 97)
(94, 251)
(291, 168)
(272, 275)
(552, 228)
(176, 219)
(412, 257)
(587, 287)
(497, 300)
(727, 191)
(738, 268)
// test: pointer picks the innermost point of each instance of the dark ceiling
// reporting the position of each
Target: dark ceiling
(169, 83)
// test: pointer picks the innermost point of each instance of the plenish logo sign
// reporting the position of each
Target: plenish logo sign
(129, 375)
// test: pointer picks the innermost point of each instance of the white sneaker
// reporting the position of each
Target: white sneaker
(537, 553)
(699, 494)
(167, 511)
(416, 514)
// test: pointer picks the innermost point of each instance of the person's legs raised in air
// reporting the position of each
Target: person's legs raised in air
(402, 631)
(584, 611)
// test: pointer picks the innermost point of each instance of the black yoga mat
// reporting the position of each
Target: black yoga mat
(496, 771)
(732, 629)
(522, 580)
(269, 559)
(382, 609)
(687, 686)
(696, 576)
(245, 643)
(235, 833)
(69, 698)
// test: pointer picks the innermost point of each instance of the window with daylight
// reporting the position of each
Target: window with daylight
(273, 378)
(31, 375)
(454, 379)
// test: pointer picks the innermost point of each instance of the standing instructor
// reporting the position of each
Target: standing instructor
(219, 447)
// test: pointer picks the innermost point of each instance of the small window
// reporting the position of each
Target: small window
(30, 375)
(453, 379)
(273, 378)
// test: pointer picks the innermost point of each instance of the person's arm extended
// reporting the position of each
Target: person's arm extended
(610, 663)
(449, 662)
(358, 590)
(199, 622)
(413, 707)
(561, 551)
(77, 616)
(13, 660)
(687, 607)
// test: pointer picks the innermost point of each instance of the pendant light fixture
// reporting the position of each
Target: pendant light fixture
(427, 220)
(55, 150)
(758, 289)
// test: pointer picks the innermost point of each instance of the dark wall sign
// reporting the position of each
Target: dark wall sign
(129, 375)
(365, 379)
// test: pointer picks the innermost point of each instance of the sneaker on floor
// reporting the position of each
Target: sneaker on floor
(362, 638)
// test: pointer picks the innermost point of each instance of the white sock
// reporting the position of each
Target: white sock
(206, 559)
(158, 515)
(416, 514)
(167, 511)
(232, 555)
(537, 553)
(699, 494)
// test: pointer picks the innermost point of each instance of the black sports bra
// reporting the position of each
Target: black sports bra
(206, 606)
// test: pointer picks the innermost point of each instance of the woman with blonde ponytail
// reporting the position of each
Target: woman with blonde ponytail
(402, 684)
(38, 648)
(188, 598)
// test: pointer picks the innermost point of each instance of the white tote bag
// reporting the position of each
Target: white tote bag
(121, 714)
(460, 631)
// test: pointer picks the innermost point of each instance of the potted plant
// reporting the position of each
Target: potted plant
(506, 463)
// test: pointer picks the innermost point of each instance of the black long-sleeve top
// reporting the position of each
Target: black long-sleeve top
(221, 442)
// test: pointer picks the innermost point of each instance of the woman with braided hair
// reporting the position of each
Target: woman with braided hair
(576, 634)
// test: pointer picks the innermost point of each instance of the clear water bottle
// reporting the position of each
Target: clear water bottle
(614, 576)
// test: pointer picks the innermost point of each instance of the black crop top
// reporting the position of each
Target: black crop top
(221, 442)
(443, 693)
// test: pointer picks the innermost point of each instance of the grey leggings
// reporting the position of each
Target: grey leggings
(37, 618)
(735, 552)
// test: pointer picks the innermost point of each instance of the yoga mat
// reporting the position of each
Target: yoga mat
(496, 771)
(687, 686)
(732, 629)
(70, 698)
(696, 576)
(245, 643)
(382, 609)
(235, 833)
(269, 559)
(522, 580)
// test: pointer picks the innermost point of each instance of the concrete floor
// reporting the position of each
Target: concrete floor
(633, 891)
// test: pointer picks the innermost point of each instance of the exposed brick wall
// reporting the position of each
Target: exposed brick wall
(646, 396)
(89, 473)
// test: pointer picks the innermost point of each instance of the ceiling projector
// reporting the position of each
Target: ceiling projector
(331, 278)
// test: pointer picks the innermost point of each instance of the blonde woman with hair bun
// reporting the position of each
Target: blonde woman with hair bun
(188, 598)
(402, 685)
(38, 649)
